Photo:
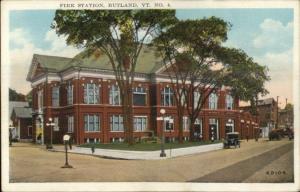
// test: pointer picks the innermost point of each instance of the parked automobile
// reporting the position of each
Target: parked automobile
(276, 134)
(232, 139)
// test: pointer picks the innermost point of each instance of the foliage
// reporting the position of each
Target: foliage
(197, 62)
(15, 96)
(289, 107)
(119, 34)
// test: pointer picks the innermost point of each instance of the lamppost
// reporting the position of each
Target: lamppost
(162, 153)
(66, 139)
(50, 124)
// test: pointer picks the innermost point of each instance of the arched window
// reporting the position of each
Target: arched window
(213, 101)
(167, 97)
(229, 102)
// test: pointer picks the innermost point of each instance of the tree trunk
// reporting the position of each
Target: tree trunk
(128, 114)
(180, 122)
(192, 129)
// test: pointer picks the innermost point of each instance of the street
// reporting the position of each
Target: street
(261, 161)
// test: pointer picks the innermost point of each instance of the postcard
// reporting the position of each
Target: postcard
(150, 95)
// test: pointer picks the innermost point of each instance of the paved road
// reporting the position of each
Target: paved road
(240, 171)
(32, 163)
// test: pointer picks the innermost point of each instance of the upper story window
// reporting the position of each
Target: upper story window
(40, 97)
(167, 97)
(114, 95)
(139, 96)
(55, 96)
(91, 93)
(213, 101)
(140, 123)
(70, 94)
(91, 123)
(183, 93)
(116, 123)
(197, 96)
(229, 102)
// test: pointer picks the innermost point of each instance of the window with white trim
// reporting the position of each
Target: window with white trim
(213, 101)
(55, 96)
(139, 96)
(185, 123)
(229, 102)
(183, 93)
(197, 97)
(116, 123)
(70, 94)
(114, 95)
(56, 124)
(140, 123)
(91, 123)
(70, 124)
(91, 93)
(169, 123)
(167, 97)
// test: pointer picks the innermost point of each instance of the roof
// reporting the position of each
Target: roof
(13, 104)
(23, 112)
(148, 61)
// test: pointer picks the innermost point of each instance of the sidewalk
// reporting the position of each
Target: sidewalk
(141, 155)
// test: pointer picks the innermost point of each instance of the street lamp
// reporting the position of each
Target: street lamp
(162, 153)
(50, 124)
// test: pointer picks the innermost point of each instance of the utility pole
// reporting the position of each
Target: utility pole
(277, 105)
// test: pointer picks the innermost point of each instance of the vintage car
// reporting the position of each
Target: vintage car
(231, 139)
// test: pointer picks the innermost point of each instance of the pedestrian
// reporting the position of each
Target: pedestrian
(247, 137)
(10, 137)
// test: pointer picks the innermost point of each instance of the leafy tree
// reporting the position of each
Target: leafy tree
(289, 107)
(119, 34)
(245, 77)
(15, 96)
(190, 52)
(196, 62)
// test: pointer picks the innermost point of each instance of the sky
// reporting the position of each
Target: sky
(264, 34)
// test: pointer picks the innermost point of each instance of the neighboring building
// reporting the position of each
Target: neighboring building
(12, 105)
(267, 115)
(83, 98)
(22, 121)
(286, 119)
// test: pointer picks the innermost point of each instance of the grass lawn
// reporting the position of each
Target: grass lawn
(146, 146)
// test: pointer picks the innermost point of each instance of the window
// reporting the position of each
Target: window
(139, 96)
(91, 93)
(183, 93)
(40, 100)
(116, 123)
(197, 96)
(70, 94)
(198, 128)
(114, 95)
(140, 123)
(169, 124)
(55, 96)
(229, 102)
(70, 124)
(213, 101)
(56, 125)
(91, 123)
(167, 97)
(185, 123)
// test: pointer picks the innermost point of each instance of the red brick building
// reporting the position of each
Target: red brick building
(82, 97)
